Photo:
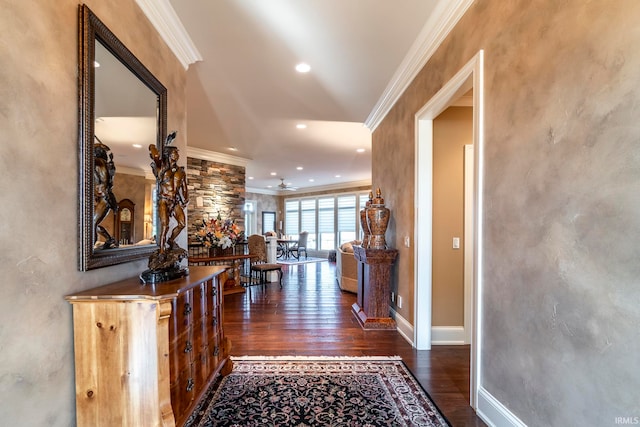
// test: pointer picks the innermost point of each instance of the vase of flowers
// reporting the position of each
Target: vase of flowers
(219, 235)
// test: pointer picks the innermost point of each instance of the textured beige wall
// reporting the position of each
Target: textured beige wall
(38, 213)
(451, 131)
(560, 336)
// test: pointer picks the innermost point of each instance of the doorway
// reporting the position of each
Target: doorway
(470, 77)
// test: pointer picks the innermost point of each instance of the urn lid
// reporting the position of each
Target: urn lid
(378, 200)
(368, 203)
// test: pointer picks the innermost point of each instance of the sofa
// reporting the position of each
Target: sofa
(346, 267)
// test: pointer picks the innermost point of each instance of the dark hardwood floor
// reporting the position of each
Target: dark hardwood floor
(310, 316)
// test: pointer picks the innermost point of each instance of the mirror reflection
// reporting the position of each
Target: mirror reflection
(123, 109)
(126, 123)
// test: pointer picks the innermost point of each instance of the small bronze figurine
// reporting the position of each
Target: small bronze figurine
(173, 197)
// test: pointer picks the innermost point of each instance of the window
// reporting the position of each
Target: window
(346, 219)
(291, 216)
(326, 223)
(330, 219)
(308, 221)
(249, 218)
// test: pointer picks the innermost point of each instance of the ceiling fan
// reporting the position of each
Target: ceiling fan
(285, 187)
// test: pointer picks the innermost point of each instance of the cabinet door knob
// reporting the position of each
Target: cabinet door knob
(190, 384)
(216, 350)
(187, 309)
(188, 347)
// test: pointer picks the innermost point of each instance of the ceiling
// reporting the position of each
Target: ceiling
(245, 95)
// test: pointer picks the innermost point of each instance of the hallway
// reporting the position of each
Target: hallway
(312, 316)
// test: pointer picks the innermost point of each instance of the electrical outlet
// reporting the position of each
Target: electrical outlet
(407, 241)
(393, 296)
(456, 243)
(399, 302)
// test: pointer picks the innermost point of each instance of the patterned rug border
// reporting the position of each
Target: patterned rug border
(320, 358)
(203, 406)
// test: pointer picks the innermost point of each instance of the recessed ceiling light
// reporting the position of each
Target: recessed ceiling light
(233, 149)
(337, 176)
(299, 168)
(303, 67)
(136, 145)
(311, 180)
(250, 177)
(269, 186)
(360, 150)
(96, 64)
(301, 126)
(274, 173)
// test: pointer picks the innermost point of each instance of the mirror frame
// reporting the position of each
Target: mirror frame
(91, 30)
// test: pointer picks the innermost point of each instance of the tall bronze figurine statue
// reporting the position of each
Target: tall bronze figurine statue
(104, 200)
(173, 197)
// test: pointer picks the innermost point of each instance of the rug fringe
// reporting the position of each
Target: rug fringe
(323, 358)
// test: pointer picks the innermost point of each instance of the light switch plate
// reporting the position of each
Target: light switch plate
(456, 243)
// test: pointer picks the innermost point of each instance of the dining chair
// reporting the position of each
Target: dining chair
(259, 263)
(301, 246)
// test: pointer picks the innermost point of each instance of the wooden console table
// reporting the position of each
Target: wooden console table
(374, 286)
(235, 262)
(146, 354)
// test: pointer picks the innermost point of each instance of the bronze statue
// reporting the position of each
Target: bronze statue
(104, 200)
(173, 197)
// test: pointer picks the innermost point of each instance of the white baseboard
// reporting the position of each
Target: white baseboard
(447, 335)
(494, 413)
(405, 329)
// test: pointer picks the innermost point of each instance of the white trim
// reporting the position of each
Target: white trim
(445, 16)
(165, 20)
(213, 156)
(471, 75)
(469, 188)
(494, 413)
(423, 214)
(404, 328)
(447, 335)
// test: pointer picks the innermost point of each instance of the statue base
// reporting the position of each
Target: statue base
(158, 276)
(165, 266)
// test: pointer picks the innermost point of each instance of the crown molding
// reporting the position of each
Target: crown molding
(199, 153)
(261, 191)
(445, 16)
(165, 20)
(308, 190)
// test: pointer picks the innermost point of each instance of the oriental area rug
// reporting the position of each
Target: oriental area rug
(307, 391)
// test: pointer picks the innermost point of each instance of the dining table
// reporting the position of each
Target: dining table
(285, 246)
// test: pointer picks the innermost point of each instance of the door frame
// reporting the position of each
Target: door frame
(469, 76)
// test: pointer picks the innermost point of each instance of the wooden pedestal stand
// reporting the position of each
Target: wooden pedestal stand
(374, 284)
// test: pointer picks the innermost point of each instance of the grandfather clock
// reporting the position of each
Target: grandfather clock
(374, 287)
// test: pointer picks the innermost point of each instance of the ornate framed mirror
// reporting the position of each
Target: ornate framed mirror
(122, 109)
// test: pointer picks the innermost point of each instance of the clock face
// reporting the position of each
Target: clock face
(125, 215)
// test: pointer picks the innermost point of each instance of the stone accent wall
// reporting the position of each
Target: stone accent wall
(214, 188)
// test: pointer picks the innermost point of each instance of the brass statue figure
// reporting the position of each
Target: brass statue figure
(173, 197)
(104, 200)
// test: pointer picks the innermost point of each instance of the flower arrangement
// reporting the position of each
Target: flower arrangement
(219, 233)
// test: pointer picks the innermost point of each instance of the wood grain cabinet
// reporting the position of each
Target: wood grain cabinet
(145, 354)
